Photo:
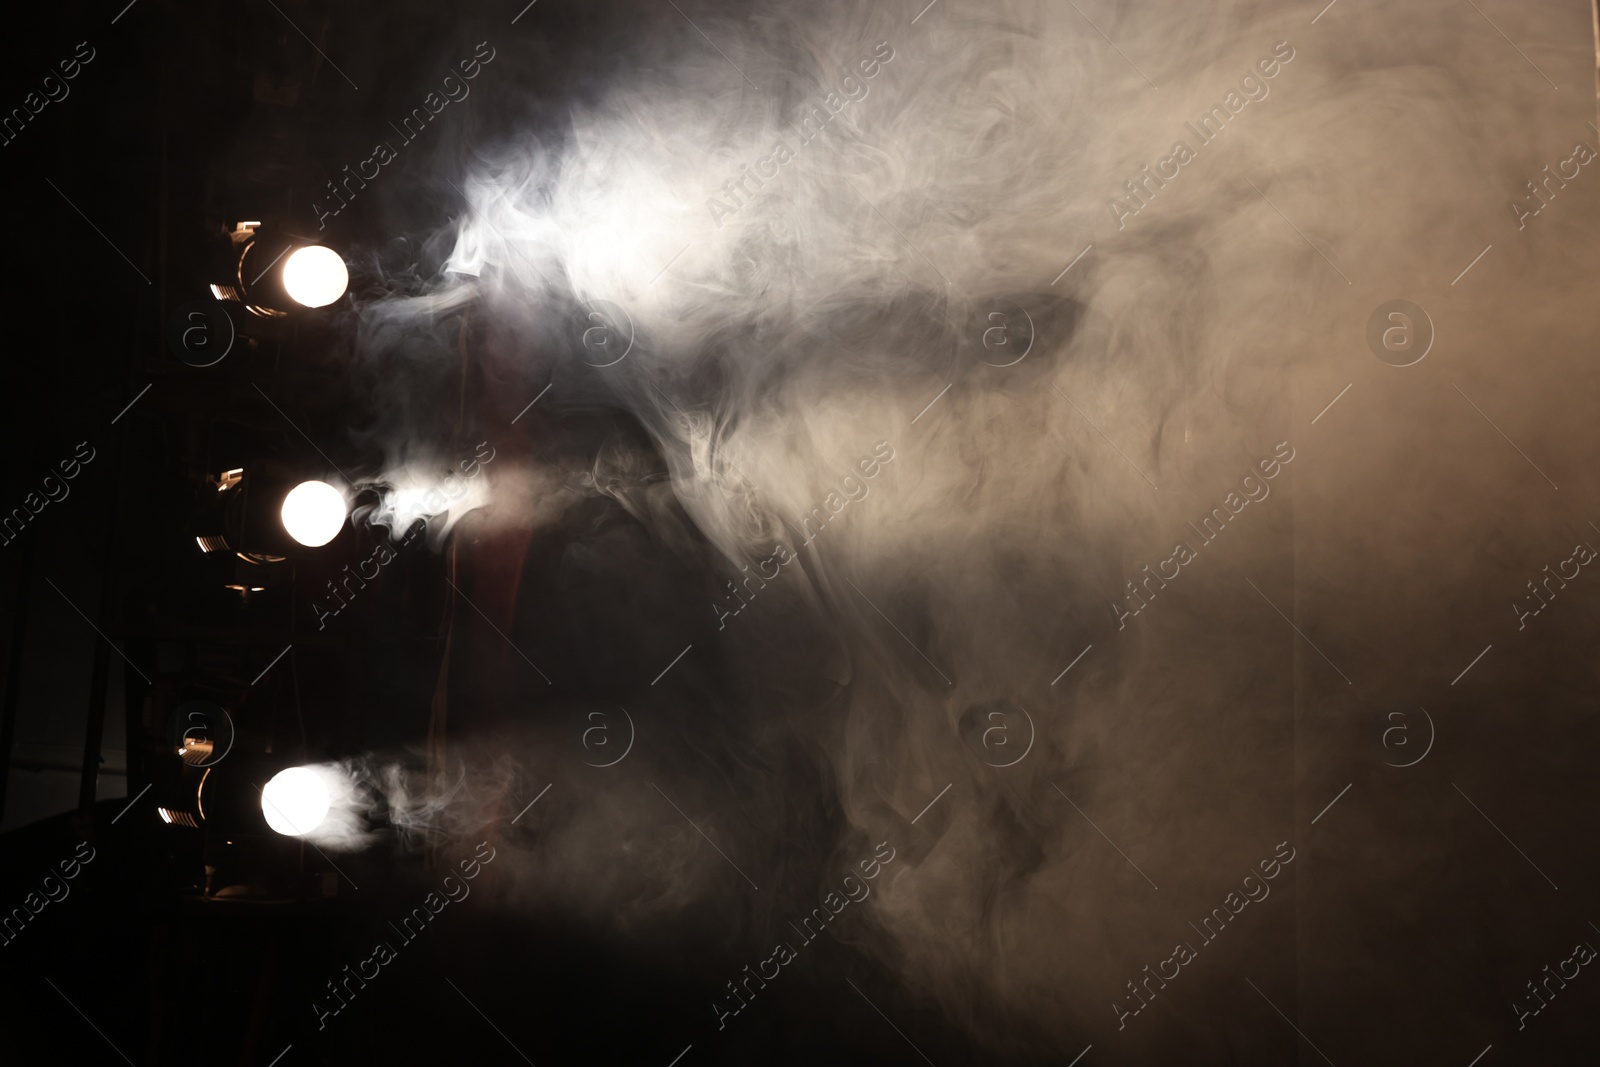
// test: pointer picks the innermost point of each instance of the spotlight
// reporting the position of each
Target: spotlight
(314, 512)
(315, 276)
(295, 801)
(273, 274)
(264, 514)
(235, 819)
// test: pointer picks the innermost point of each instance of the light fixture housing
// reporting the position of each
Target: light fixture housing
(273, 274)
(267, 512)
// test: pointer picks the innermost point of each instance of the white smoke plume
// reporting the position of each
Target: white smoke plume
(766, 342)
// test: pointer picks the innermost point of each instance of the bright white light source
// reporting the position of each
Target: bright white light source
(315, 276)
(313, 513)
(295, 801)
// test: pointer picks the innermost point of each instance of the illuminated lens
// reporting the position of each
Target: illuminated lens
(295, 801)
(315, 276)
(313, 513)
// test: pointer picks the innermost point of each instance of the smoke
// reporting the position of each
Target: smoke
(377, 797)
(781, 268)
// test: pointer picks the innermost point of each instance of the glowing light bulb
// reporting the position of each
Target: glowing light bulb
(313, 513)
(315, 276)
(295, 801)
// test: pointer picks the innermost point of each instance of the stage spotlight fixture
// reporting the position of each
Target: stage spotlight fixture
(273, 274)
(265, 515)
(295, 801)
